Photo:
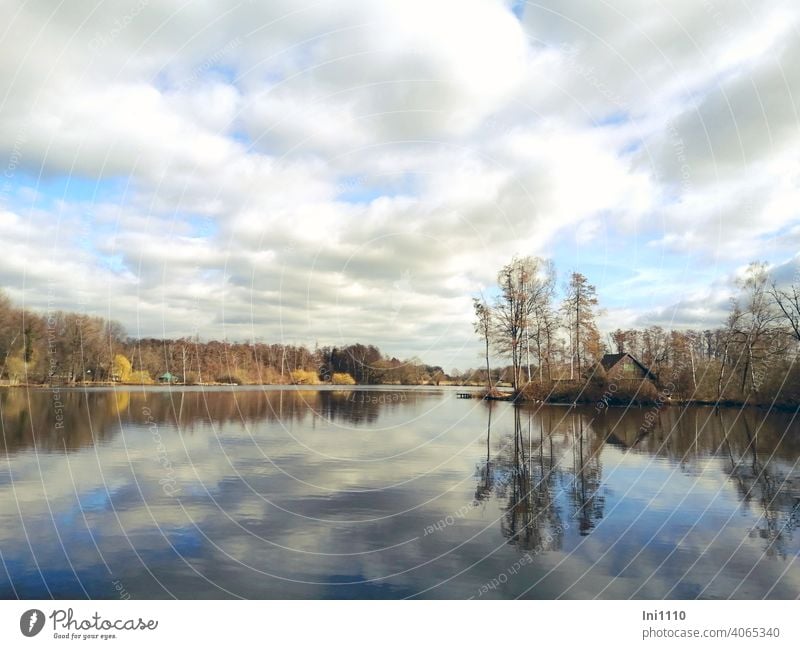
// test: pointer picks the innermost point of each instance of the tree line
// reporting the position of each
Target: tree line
(69, 348)
(549, 335)
(554, 346)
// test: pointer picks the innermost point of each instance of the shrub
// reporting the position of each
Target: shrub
(634, 393)
(140, 377)
(305, 377)
(536, 391)
(342, 378)
(270, 376)
(593, 390)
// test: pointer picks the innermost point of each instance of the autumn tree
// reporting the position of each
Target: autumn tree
(10, 335)
(619, 339)
(15, 368)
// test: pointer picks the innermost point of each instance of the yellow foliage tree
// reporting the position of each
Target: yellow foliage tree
(342, 378)
(121, 369)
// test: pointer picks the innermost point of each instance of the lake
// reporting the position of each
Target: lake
(390, 493)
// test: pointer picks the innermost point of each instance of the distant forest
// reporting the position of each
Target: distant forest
(71, 348)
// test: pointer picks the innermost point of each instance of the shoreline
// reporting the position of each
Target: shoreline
(507, 397)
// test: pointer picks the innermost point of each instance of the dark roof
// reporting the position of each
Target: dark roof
(610, 360)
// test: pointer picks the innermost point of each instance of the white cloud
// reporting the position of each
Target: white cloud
(268, 162)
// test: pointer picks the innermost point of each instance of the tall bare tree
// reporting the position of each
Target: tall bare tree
(579, 313)
(483, 327)
(542, 322)
(759, 335)
(523, 311)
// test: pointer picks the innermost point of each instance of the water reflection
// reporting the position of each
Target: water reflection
(70, 419)
(389, 493)
(564, 456)
(528, 479)
(766, 485)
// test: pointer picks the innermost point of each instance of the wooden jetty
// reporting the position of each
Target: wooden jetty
(496, 396)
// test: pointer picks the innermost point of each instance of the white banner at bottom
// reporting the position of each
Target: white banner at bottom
(383, 624)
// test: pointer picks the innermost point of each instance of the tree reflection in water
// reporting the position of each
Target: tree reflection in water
(71, 419)
(548, 472)
(689, 493)
(531, 471)
(765, 485)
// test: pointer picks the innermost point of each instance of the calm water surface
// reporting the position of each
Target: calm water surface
(390, 493)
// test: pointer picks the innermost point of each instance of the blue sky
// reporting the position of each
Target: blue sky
(358, 171)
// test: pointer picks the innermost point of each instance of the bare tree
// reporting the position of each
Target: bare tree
(483, 327)
(543, 321)
(579, 311)
(523, 312)
(788, 301)
(753, 336)
(511, 313)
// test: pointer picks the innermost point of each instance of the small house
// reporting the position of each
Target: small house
(167, 377)
(625, 367)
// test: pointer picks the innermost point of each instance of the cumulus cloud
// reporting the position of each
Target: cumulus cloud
(345, 170)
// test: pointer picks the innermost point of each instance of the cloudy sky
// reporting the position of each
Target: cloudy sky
(358, 170)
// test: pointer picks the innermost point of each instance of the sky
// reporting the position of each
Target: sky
(331, 172)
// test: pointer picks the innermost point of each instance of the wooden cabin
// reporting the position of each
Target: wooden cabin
(621, 367)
